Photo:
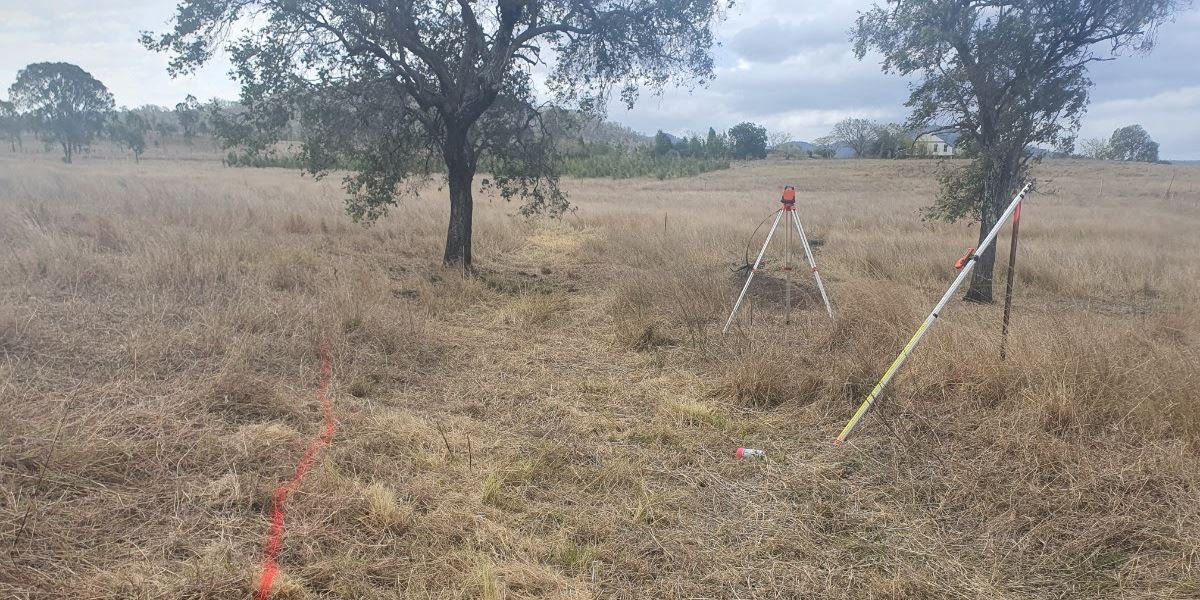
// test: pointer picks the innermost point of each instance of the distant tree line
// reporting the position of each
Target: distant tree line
(744, 141)
(60, 104)
(668, 156)
(869, 139)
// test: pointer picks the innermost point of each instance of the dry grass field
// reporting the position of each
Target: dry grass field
(562, 424)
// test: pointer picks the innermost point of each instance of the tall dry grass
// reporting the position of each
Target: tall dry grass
(562, 424)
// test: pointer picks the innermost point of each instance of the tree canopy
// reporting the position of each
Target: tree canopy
(68, 104)
(190, 117)
(858, 134)
(1004, 74)
(1132, 143)
(400, 90)
(128, 129)
(749, 140)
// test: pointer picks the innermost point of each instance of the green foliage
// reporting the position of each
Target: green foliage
(959, 193)
(716, 146)
(67, 103)
(190, 117)
(1132, 143)
(262, 160)
(128, 130)
(624, 163)
(891, 141)
(595, 161)
(749, 141)
(662, 144)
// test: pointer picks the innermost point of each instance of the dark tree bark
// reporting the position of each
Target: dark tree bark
(985, 262)
(460, 176)
(998, 188)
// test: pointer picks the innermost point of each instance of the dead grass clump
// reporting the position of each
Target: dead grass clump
(218, 573)
(698, 414)
(294, 273)
(381, 336)
(573, 557)
(239, 397)
(103, 234)
(535, 310)
(634, 321)
(297, 224)
(14, 338)
(758, 380)
(643, 337)
(390, 442)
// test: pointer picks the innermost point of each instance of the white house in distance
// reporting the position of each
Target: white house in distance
(935, 144)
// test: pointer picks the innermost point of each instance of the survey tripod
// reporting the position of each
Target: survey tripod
(787, 210)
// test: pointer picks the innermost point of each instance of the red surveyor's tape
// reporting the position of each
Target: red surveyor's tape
(275, 537)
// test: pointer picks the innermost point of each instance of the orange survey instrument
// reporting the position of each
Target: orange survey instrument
(789, 198)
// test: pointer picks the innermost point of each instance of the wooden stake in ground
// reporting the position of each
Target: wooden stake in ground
(1008, 285)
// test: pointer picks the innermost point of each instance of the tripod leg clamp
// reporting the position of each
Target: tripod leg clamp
(964, 259)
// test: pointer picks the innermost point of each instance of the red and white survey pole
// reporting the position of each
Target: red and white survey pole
(965, 265)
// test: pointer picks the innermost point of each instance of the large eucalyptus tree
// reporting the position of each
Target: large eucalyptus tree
(65, 102)
(1005, 74)
(399, 90)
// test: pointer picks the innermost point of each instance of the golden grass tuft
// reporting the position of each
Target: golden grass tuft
(384, 510)
(488, 584)
(695, 413)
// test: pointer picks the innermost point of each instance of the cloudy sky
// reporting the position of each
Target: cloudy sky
(783, 63)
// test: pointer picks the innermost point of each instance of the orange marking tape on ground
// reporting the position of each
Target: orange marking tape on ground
(275, 537)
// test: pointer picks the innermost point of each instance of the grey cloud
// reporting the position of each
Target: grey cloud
(772, 41)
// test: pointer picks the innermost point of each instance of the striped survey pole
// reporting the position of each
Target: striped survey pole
(966, 265)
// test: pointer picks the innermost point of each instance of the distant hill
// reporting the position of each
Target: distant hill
(573, 129)
(595, 131)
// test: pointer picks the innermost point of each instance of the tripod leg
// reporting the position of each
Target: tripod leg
(757, 261)
(787, 269)
(813, 264)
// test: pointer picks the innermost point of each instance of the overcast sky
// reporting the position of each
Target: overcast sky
(783, 63)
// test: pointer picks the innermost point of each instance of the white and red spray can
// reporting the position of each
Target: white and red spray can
(750, 453)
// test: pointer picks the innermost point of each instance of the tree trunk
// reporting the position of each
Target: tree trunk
(985, 263)
(460, 174)
(996, 190)
(67, 152)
